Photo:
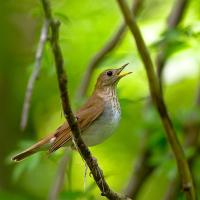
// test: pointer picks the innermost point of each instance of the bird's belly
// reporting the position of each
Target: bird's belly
(101, 128)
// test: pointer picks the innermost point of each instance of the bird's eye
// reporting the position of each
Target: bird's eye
(109, 73)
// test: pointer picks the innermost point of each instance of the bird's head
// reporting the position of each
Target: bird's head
(110, 77)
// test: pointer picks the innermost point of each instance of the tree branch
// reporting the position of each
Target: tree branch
(183, 167)
(60, 176)
(192, 137)
(177, 13)
(191, 129)
(172, 189)
(34, 75)
(143, 170)
(62, 81)
(174, 19)
(99, 56)
(104, 51)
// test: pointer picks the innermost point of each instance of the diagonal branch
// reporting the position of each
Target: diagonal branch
(183, 167)
(98, 58)
(62, 81)
(104, 51)
(34, 75)
(177, 13)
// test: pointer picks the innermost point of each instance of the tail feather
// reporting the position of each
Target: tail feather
(41, 145)
(23, 155)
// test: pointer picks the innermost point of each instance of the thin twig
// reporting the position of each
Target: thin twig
(183, 167)
(141, 171)
(60, 176)
(198, 93)
(34, 75)
(62, 81)
(104, 51)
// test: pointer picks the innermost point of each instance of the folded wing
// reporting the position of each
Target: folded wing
(93, 109)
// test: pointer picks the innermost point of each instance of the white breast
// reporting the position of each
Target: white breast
(104, 126)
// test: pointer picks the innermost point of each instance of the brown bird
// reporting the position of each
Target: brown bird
(97, 119)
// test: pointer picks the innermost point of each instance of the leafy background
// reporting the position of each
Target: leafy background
(86, 26)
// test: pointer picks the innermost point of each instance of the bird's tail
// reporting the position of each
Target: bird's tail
(39, 146)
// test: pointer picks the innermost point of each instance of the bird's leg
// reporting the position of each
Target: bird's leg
(97, 170)
(73, 147)
(85, 176)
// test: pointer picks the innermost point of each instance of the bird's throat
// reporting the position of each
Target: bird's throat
(107, 93)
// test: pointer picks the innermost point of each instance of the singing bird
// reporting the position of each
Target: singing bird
(97, 118)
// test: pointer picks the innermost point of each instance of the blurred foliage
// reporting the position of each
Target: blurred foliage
(86, 26)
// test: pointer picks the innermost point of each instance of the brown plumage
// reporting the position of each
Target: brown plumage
(96, 119)
(85, 116)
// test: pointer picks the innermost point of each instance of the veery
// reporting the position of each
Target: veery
(97, 118)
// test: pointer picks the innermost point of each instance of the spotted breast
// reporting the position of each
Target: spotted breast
(104, 126)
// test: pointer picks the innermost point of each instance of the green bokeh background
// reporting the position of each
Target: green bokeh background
(85, 27)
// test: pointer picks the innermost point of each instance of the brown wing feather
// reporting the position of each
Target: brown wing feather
(85, 116)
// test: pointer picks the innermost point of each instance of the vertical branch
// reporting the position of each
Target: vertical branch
(173, 189)
(60, 177)
(183, 167)
(106, 49)
(62, 82)
(198, 94)
(140, 173)
(143, 169)
(34, 75)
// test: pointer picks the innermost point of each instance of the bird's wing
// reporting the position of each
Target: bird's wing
(85, 117)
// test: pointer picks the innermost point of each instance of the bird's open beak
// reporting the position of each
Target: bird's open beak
(119, 74)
